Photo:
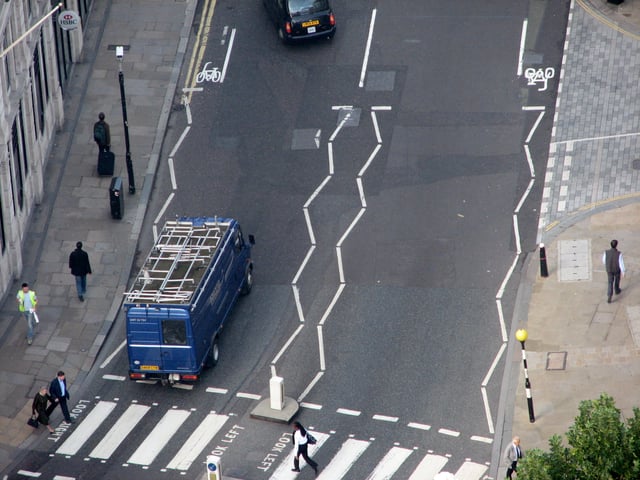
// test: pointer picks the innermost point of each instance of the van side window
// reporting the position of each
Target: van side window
(174, 332)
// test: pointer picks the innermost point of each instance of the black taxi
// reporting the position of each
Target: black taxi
(301, 19)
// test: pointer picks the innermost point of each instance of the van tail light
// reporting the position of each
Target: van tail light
(136, 376)
(332, 20)
(287, 27)
(190, 378)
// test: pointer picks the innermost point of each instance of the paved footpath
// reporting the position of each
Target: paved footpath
(580, 346)
(76, 207)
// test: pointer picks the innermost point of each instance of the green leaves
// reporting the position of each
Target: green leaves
(602, 446)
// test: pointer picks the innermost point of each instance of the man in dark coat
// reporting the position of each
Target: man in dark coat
(59, 395)
(102, 134)
(80, 268)
(614, 263)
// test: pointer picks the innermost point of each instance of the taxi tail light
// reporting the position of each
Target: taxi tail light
(191, 378)
(332, 20)
(287, 27)
(137, 376)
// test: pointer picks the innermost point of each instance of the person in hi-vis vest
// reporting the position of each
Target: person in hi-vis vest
(27, 301)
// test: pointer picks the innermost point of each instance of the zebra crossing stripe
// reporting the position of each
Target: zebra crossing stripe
(87, 428)
(198, 440)
(283, 472)
(429, 467)
(390, 463)
(470, 471)
(159, 437)
(344, 459)
(127, 422)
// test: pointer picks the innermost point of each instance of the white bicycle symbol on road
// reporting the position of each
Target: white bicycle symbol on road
(213, 75)
(539, 76)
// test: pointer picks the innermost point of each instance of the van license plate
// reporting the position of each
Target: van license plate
(311, 23)
(149, 367)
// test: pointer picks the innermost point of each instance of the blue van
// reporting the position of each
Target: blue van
(182, 296)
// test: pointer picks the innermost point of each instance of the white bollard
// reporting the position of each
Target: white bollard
(276, 393)
(213, 468)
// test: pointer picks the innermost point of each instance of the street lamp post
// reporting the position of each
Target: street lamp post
(123, 99)
(521, 336)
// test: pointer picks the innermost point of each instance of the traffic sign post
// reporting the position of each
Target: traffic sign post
(213, 468)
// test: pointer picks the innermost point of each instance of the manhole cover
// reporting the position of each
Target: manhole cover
(556, 360)
(636, 164)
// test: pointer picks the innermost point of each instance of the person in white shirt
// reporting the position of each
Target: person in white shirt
(300, 442)
(614, 263)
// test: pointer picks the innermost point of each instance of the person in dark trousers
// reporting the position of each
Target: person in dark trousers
(300, 442)
(39, 407)
(614, 264)
(102, 134)
(80, 268)
(512, 454)
(59, 395)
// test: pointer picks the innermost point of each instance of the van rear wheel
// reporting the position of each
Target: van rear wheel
(214, 353)
(248, 282)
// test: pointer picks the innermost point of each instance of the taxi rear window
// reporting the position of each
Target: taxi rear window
(306, 7)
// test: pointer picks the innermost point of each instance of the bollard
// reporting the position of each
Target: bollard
(276, 393)
(544, 272)
(213, 468)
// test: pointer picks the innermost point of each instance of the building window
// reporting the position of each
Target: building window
(43, 56)
(37, 84)
(17, 163)
(23, 143)
(63, 48)
(3, 238)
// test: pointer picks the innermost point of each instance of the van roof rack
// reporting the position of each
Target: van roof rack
(180, 257)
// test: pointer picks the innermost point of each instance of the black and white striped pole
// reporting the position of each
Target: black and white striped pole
(521, 336)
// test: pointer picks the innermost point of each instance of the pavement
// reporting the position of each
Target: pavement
(578, 345)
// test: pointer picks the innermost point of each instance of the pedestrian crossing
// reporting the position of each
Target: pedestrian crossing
(106, 433)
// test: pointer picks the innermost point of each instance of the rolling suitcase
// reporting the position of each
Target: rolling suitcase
(106, 163)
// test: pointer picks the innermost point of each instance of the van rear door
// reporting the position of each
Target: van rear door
(159, 340)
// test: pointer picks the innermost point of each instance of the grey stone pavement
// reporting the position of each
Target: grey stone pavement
(594, 151)
(76, 206)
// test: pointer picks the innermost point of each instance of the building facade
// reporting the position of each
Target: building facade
(35, 64)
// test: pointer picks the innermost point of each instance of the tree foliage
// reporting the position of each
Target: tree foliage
(601, 446)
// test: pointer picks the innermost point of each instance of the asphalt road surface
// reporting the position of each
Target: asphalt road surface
(385, 176)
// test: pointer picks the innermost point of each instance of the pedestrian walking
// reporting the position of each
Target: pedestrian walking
(59, 395)
(27, 301)
(512, 454)
(102, 134)
(301, 443)
(614, 263)
(80, 268)
(39, 407)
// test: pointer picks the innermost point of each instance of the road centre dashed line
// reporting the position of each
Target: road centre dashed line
(419, 426)
(385, 418)
(451, 433)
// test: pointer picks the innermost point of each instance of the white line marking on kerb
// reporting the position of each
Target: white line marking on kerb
(385, 418)
(115, 352)
(27, 473)
(251, 396)
(286, 345)
(346, 411)
(365, 61)
(523, 38)
(477, 438)
(321, 348)
(226, 58)
(312, 406)
(180, 140)
(310, 386)
(419, 426)
(222, 391)
(117, 378)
